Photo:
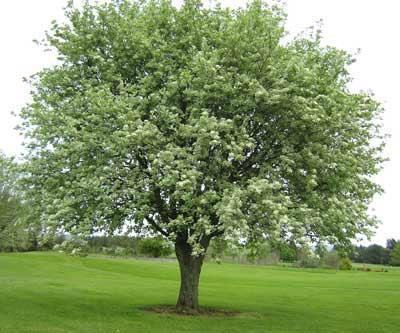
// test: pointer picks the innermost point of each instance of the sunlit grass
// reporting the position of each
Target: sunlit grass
(49, 292)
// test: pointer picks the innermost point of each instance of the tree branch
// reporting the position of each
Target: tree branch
(156, 226)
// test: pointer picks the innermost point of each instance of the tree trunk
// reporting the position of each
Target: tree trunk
(190, 268)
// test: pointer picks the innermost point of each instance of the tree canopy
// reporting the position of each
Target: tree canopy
(196, 123)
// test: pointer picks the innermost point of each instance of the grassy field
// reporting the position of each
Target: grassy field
(49, 292)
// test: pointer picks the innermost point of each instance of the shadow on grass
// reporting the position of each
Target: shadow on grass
(203, 311)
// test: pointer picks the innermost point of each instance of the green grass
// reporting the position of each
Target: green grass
(49, 292)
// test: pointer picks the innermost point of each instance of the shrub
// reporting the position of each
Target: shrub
(79, 252)
(154, 247)
(287, 250)
(108, 244)
(331, 260)
(108, 250)
(75, 247)
(263, 254)
(306, 258)
(364, 269)
(48, 240)
(121, 251)
(309, 262)
(17, 238)
(345, 264)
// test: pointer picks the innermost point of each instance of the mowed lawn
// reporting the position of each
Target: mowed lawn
(51, 292)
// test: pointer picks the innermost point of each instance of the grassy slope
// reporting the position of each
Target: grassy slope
(47, 292)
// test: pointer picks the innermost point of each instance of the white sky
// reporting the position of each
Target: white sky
(371, 25)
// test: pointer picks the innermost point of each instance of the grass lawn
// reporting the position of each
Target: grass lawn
(52, 293)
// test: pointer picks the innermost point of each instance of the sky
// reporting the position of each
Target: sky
(369, 25)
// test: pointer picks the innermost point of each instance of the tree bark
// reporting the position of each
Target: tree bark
(190, 268)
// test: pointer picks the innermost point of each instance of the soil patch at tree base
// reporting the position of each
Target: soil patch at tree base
(203, 311)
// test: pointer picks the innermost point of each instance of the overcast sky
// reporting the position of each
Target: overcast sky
(370, 25)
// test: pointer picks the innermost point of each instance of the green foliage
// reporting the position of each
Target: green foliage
(307, 258)
(121, 251)
(47, 240)
(15, 234)
(17, 238)
(321, 250)
(287, 250)
(116, 251)
(154, 247)
(196, 123)
(111, 244)
(395, 255)
(309, 262)
(345, 264)
(263, 254)
(74, 246)
(331, 260)
(391, 243)
(9, 203)
(372, 254)
(377, 254)
(218, 248)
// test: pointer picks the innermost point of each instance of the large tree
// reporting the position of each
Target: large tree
(197, 123)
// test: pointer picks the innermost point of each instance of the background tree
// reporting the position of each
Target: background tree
(154, 247)
(372, 254)
(8, 201)
(391, 244)
(15, 234)
(395, 255)
(197, 123)
(287, 250)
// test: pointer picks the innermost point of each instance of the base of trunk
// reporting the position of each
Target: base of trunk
(207, 312)
(190, 268)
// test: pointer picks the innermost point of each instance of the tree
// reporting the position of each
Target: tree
(372, 254)
(8, 201)
(391, 244)
(15, 235)
(287, 250)
(198, 123)
(395, 255)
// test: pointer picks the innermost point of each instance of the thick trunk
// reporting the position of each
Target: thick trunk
(190, 268)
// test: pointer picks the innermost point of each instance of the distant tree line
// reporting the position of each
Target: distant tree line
(304, 255)
(377, 254)
(130, 246)
(273, 252)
